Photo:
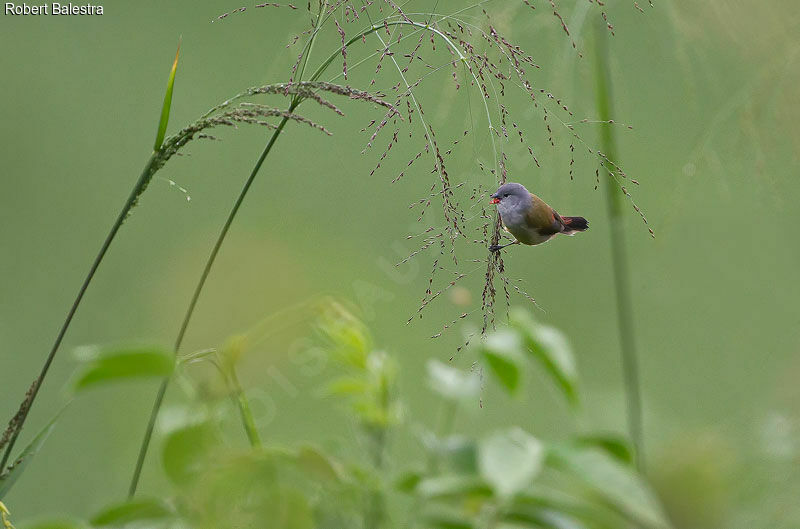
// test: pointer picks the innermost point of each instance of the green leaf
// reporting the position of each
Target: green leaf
(120, 515)
(165, 108)
(502, 352)
(316, 462)
(615, 483)
(112, 366)
(443, 517)
(459, 452)
(289, 509)
(456, 485)
(541, 498)
(10, 475)
(551, 348)
(186, 452)
(616, 446)
(451, 383)
(408, 481)
(348, 386)
(510, 460)
(544, 518)
(347, 337)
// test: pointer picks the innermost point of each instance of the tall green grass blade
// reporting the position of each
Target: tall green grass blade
(625, 324)
(10, 475)
(165, 108)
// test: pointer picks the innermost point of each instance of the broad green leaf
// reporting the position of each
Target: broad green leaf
(614, 482)
(453, 486)
(186, 452)
(502, 352)
(509, 460)
(112, 366)
(551, 348)
(10, 475)
(451, 383)
(165, 108)
(144, 510)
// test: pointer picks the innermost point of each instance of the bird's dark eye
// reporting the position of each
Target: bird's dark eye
(506, 195)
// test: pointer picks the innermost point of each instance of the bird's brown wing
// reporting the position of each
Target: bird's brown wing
(546, 220)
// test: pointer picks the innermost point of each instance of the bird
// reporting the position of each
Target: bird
(529, 219)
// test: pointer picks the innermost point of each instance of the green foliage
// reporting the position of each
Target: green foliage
(502, 352)
(150, 511)
(614, 445)
(551, 349)
(510, 460)
(9, 476)
(186, 450)
(124, 364)
(452, 384)
(506, 478)
(165, 108)
(614, 482)
(369, 374)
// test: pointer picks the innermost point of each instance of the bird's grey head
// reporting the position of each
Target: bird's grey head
(510, 196)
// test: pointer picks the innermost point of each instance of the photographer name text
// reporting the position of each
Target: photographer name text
(52, 9)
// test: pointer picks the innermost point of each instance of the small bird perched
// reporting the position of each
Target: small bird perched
(529, 219)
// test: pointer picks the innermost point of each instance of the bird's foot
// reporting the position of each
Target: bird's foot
(495, 248)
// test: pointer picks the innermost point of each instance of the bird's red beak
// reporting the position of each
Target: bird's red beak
(494, 201)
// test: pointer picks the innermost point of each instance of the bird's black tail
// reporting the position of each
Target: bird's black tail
(575, 223)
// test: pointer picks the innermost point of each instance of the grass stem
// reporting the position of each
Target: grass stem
(625, 323)
(246, 414)
(193, 303)
(123, 214)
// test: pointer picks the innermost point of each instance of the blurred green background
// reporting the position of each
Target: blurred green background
(710, 88)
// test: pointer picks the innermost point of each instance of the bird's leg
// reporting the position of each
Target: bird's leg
(497, 248)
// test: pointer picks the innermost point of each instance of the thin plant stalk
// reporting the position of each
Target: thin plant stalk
(126, 208)
(619, 259)
(130, 203)
(375, 511)
(245, 413)
(162, 390)
(193, 303)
